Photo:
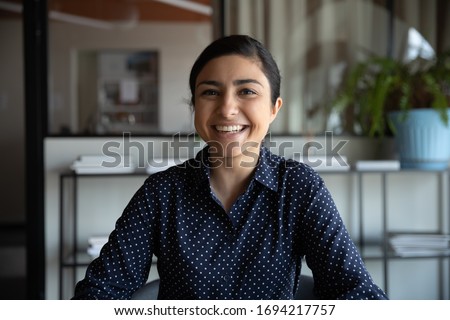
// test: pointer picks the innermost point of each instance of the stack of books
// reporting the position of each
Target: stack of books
(95, 244)
(410, 245)
(98, 164)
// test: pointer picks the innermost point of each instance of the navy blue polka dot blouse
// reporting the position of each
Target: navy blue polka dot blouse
(253, 252)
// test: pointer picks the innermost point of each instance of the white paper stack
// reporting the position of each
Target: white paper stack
(325, 163)
(377, 165)
(98, 164)
(96, 244)
(420, 244)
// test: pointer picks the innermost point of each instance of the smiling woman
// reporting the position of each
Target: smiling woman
(231, 223)
(235, 86)
(233, 117)
(234, 108)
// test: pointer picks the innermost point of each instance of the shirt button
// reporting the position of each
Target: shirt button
(226, 278)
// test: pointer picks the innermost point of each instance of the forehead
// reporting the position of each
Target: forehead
(234, 66)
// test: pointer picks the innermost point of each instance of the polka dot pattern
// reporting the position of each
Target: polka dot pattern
(255, 251)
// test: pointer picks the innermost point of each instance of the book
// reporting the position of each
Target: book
(99, 164)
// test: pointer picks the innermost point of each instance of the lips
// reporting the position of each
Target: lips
(230, 128)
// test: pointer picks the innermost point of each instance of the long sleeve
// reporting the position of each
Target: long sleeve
(125, 260)
(338, 269)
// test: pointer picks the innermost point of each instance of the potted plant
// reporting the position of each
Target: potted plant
(409, 100)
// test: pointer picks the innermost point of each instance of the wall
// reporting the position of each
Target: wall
(412, 203)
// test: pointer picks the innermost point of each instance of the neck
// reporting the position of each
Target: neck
(230, 177)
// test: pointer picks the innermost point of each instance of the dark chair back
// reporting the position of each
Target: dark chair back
(305, 292)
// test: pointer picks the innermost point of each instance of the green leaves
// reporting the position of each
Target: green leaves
(379, 85)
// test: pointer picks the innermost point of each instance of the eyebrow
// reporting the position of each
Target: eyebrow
(235, 82)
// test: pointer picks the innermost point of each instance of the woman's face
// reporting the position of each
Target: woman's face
(233, 108)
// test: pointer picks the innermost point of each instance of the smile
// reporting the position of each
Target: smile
(232, 129)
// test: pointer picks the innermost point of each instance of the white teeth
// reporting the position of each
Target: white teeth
(235, 128)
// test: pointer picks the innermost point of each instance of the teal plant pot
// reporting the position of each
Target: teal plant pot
(422, 139)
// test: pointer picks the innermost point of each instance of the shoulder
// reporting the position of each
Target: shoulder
(301, 176)
(169, 175)
(293, 170)
(287, 175)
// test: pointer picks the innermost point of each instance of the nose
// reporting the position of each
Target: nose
(228, 106)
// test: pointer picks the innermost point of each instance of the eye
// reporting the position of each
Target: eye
(210, 92)
(247, 92)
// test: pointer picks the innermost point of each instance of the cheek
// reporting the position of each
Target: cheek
(260, 117)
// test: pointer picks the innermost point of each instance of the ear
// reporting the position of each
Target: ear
(274, 110)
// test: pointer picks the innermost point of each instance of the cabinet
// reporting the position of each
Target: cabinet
(383, 249)
(73, 257)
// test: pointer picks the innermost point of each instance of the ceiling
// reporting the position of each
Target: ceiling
(121, 10)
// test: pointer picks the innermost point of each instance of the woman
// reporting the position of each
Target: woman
(236, 221)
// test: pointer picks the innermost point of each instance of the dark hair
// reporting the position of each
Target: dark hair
(240, 45)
